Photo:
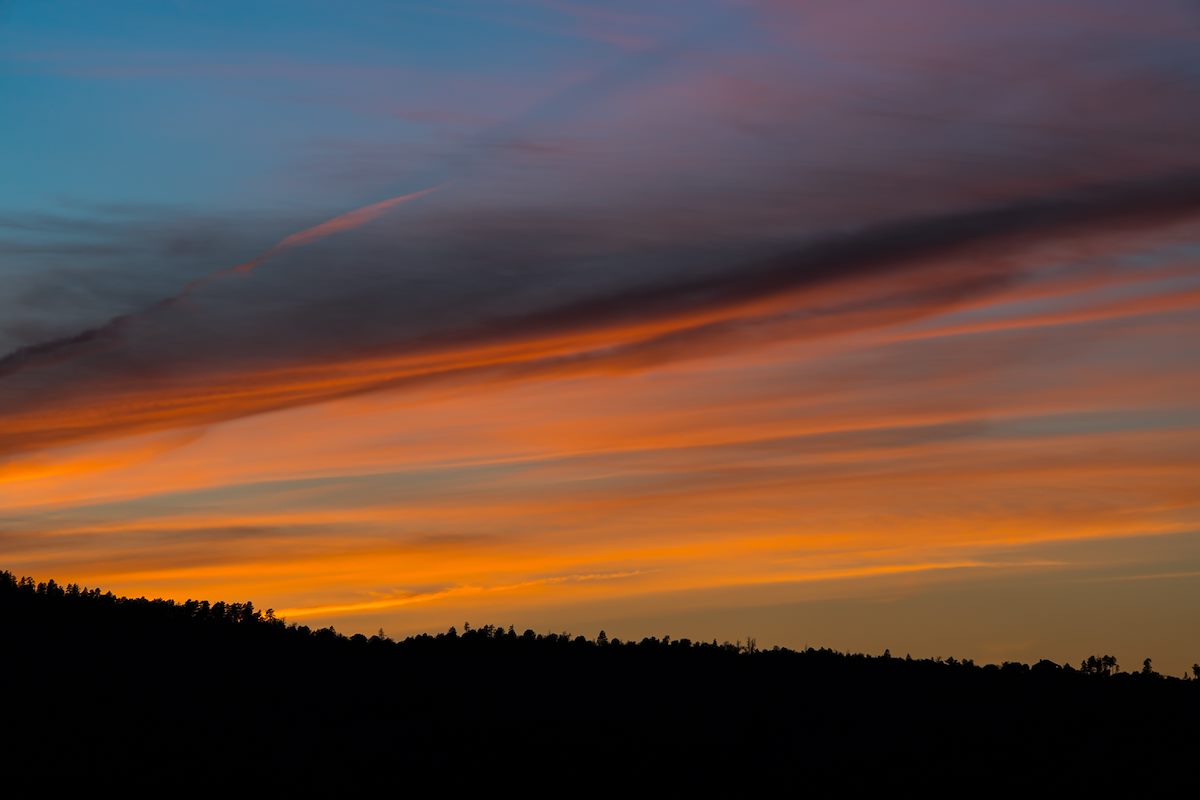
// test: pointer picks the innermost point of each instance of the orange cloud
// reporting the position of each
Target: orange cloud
(339, 224)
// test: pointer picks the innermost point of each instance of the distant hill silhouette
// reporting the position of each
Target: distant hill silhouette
(184, 697)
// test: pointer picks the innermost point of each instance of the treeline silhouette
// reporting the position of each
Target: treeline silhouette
(114, 691)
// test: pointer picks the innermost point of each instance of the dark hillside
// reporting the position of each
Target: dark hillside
(184, 696)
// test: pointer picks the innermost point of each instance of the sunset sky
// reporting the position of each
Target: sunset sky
(861, 325)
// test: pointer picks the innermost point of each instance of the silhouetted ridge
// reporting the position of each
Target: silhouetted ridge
(118, 691)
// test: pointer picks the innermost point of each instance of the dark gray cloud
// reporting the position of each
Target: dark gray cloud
(67, 271)
(378, 295)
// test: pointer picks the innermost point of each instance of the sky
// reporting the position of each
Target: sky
(863, 326)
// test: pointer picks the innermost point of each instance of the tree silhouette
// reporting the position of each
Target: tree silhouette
(1099, 665)
(130, 692)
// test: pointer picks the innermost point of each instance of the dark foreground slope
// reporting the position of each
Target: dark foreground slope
(184, 697)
